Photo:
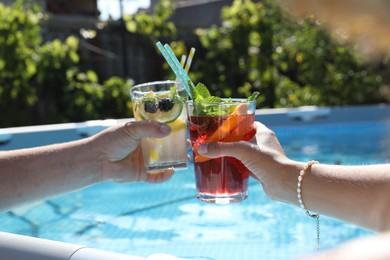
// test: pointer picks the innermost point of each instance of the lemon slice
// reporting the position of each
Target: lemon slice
(135, 112)
(178, 124)
(154, 155)
(160, 114)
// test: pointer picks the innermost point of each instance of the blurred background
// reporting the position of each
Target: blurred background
(71, 61)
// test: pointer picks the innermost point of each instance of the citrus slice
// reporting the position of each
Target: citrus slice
(178, 124)
(160, 115)
(237, 134)
(200, 158)
(231, 123)
(136, 114)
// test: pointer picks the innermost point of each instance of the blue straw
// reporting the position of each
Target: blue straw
(168, 59)
(177, 64)
(171, 63)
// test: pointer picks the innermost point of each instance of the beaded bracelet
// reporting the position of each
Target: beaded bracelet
(307, 166)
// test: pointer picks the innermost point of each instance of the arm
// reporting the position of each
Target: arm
(114, 154)
(357, 194)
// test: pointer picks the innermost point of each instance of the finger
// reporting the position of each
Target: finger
(158, 177)
(149, 128)
(239, 150)
(254, 176)
(260, 126)
(235, 149)
(267, 137)
(263, 133)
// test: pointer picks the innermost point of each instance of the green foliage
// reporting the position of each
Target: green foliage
(257, 47)
(292, 63)
(84, 93)
(157, 27)
(19, 41)
(154, 26)
(41, 82)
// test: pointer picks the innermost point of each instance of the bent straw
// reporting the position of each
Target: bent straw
(175, 69)
(181, 70)
(189, 60)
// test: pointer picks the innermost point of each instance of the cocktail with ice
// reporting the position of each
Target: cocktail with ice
(225, 179)
(163, 101)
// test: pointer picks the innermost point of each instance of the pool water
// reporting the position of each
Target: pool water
(143, 219)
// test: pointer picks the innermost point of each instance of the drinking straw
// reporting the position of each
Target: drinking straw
(189, 60)
(175, 68)
(183, 60)
(182, 72)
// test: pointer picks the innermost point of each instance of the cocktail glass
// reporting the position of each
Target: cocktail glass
(221, 180)
(163, 101)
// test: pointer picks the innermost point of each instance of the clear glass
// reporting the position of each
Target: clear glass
(163, 101)
(220, 180)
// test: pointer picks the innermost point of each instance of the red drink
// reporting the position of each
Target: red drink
(225, 179)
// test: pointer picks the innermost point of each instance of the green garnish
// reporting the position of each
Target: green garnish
(253, 96)
(164, 113)
(202, 97)
(173, 91)
(164, 107)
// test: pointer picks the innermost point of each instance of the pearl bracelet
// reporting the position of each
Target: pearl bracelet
(307, 166)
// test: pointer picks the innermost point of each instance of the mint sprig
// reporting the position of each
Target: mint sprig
(202, 99)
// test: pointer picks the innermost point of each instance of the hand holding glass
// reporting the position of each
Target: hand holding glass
(162, 101)
(220, 180)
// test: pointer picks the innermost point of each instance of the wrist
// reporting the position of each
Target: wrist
(285, 187)
(96, 156)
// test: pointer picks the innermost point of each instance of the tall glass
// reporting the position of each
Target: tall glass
(221, 180)
(163, 101)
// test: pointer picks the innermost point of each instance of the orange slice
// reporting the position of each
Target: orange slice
(200, 158)
(231, 123)
(240, 131)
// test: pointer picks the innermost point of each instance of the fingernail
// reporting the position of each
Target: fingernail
(202, 149)
(165, 129)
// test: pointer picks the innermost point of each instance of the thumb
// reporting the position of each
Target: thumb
(149, 128)
(239, 150)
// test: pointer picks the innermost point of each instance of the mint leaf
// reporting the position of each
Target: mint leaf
(201, 90)
(173, 91)
(213, 99)
(253, 96)
(206, 105)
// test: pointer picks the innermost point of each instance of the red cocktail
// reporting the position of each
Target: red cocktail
(225, 179)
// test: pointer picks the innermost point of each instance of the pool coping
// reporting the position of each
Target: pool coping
(305, 115)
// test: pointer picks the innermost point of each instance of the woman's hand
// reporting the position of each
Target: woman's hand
(121, 153)
(263, 156)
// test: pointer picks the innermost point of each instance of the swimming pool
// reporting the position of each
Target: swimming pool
(142, 219)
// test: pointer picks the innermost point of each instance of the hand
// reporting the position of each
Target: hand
(122, 159)
(263, 156)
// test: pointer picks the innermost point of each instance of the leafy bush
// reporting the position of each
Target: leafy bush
(158, 27)
(292, 63)
(41, 82)
(256, 47)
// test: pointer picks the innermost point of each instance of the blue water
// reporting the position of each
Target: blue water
(142, 219)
